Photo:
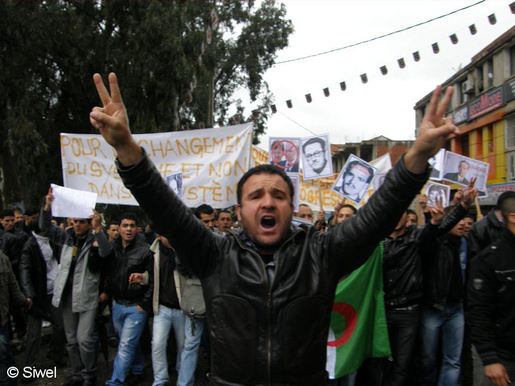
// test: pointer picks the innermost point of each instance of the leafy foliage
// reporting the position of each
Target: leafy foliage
(171, 77)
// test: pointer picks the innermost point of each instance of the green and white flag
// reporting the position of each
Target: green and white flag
(358, 323)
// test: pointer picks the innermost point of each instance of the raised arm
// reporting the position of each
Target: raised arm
(433, 132)
(112, 121)
(54, 233)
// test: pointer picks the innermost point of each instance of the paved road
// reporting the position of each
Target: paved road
(105, 368)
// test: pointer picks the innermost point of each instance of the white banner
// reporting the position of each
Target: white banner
(211, 162)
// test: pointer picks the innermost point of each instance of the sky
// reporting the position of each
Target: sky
(384, 105)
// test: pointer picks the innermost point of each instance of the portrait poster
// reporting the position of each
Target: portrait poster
(285, 154)
(434, 191)
(459, 169)
(174, 181)
(436, 163)
(354, 179)
(316, 157)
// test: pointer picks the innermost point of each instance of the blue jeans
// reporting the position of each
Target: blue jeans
(128, 324)
(189, 356)
(448, 327)
(163, 321)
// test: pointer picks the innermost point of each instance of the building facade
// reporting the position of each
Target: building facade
(368, 150)
(483, 107)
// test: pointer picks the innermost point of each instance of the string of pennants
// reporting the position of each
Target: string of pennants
(401, 62)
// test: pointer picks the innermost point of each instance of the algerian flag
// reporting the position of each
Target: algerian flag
(358, 322)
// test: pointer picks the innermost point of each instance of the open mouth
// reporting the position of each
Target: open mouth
(268, 222)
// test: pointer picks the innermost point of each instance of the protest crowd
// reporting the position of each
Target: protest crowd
(264, 299)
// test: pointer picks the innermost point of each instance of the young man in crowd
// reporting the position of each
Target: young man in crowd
(443, 318)
(76, 290)
(10, 296)
(132, 301)
(305, 213)
(38, 271)
(224, 221)
(491, 296)
(269, 289)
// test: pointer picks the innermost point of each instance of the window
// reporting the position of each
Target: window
(464, 139)
(512, 60)
(463, 91)
(480, 79)
(490, 72)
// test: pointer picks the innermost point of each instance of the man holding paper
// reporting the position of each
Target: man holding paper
(269, 289)
(75, 291)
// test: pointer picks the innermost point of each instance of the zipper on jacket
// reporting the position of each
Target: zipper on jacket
(268, 303)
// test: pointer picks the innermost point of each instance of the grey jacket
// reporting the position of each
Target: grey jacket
(85, 283)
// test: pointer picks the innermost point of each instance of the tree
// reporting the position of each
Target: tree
(171, 77)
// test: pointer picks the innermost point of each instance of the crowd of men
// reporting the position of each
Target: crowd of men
(69, 274)
(261, 293)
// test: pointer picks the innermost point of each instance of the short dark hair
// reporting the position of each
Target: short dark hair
(128, 216)
(203, 209)
(6, 213)
(264, 169)
(351, 207)
(411, 211)
(470, 215)
(112, 222)
(31, 211)
(507, 207)
(223, 211)
(353, 164)
(312, 141)
(504, 196)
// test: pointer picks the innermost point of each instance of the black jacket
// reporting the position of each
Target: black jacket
(11, 243)
(483, 233)
(120, 263)
(33, 281)
(440, 252)
(491, 300)
(403, 266)
(262, 332)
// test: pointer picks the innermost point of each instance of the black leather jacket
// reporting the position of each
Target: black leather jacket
(403, 272)
(120, 263)
(33, 275)
(440, 252)
(490, 298)
(483, 233)
(262, 332)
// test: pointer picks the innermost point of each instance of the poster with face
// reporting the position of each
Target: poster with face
(285, 154)
(354, 179)
(316, 157)
(175, 183)
(435, 191)
(436, 163)
(459, 169)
